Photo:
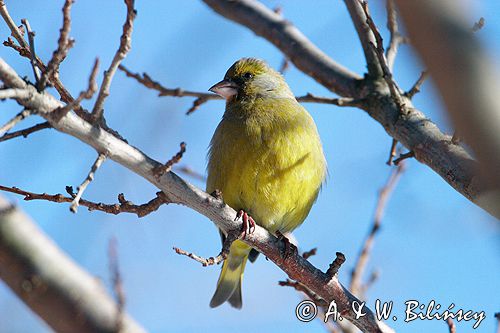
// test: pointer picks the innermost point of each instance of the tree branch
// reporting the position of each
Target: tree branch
(446, 43)
(179, 191)
(25, 132)
(357, 273)
(285, 36)
(90, 177)
(365, 35)
(123, 205)
(413, 129)
(50, 283)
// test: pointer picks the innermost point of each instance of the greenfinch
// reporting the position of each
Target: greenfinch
(266, 158)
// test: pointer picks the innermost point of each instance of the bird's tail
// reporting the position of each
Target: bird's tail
(229, 283)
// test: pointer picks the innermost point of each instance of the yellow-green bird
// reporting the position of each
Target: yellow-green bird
(266, 158)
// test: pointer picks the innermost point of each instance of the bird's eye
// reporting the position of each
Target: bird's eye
(247, 75)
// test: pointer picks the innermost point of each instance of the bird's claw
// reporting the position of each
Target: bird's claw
(248, 223)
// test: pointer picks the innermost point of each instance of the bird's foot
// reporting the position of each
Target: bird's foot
(289, 249)
(248, 223)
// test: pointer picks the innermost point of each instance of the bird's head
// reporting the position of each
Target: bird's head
(252, 78)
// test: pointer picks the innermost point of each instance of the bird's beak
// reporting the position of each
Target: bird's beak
(225, 89)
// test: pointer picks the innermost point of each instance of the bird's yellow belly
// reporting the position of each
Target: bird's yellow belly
(277, 192)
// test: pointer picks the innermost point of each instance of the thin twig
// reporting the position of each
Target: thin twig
(124, 206)
(301, 288)
(86, 94)
(396, 38)
(121, 53)
(25, 132)
(11, 123)
(196, 104)
(345, 101)
(160, 170)
(148, 82)
(117, 282)
(310, 253)
(90, 177)
(379, 51)
(335, 265)
(416, 87)
(404, 156)
(364, 255)
(16, 33)
(63, 45)
(31, 40)
(231, 237)
(392, 152)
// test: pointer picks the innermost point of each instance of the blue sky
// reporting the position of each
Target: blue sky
(433, 245)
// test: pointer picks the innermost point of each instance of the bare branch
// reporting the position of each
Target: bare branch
(174, 160)
(202, 97)
(16, 33)
(416, 87)
(121, 53)
(179, 191)
(396, 38)
(309, 253)
(14, 94)
(392, 152)
(413, 130)
(446, 43)
(378, 48)
(231, 237)
(63, 45)
(124, 206)
(285, 36)
(86, 94)
(310, 98)
(31, 39)
(50, 283)
(364, 255)
(90, 177)
(11, 123)
(25, 132)
(404, 156)
(335, 265)
(359, 18)
(146, 80)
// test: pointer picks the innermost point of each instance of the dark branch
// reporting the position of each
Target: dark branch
(123, 206)
(25, 132)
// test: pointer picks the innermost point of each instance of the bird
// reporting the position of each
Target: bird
(266, 158)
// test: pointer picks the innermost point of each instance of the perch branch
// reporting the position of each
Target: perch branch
(413, 130)
(180, 191)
